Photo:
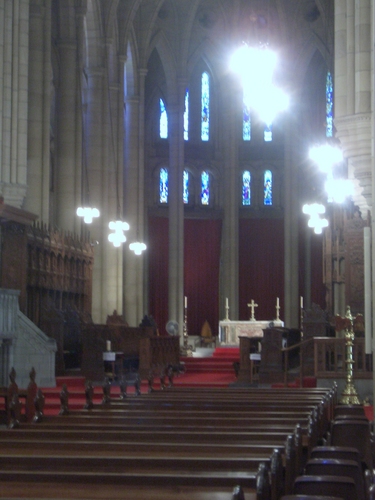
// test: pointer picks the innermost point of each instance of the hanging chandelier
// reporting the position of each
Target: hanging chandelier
(88, 214)
(138, 247)
(118, 237)
(255, 67)
(314, 211)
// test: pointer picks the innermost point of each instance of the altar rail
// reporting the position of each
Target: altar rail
(330, 355)
(329, 358)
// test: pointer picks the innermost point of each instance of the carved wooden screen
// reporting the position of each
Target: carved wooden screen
(59, 274)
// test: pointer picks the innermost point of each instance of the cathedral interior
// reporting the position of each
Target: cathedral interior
(132, 107)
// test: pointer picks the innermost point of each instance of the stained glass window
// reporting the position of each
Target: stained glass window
(205, 189)
(329, 105)
(186, 187)
(246, 123)
(267, 132)
(163, 121)
(268, 187)
(205, 107)
(246, 188)
(163, 185)
(186, 116)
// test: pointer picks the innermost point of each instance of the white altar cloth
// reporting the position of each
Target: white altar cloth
(230, 331)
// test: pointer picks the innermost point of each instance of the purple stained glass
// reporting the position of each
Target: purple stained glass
(246, 188)
(205, 194)
(329, 106)
(163, 185)
(163, 121)
(246, 123)
(186, 116)
(186, 187)
(205, 107)
(268, 187)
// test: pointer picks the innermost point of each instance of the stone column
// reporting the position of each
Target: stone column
(176, 210)
(134, 270)
(14, 42)
(231, 175)
(97, 170)
(38, 146)
(353, 93)
(131, 154)
(291, 224)
(66, 168)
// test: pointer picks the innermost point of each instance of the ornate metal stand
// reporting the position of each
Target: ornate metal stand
(349, 395)
(186, 350)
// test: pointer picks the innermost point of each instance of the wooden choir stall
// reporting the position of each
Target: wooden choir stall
(134, 350)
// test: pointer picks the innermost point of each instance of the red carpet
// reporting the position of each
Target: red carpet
(216, 371)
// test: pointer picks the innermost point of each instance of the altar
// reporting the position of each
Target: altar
(231, 331)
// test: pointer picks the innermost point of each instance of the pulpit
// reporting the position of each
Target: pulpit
(271, 367)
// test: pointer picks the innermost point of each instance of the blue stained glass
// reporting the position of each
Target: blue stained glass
(268, 187)
(163, 122)
(329, 106)
(268, 132)
(186, 187)
(246, 123)
(246, 188)
(205, 194)
(186, 116)
(163, 185)
(205, 108)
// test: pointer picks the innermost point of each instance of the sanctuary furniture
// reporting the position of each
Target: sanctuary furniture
(231, 331)
(139, 350)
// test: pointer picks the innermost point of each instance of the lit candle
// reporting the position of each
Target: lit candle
(185, 302)
(226, 303)
(301, 301)
(108, 345)
(277, 302)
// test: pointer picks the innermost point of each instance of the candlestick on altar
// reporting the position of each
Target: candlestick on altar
(252, 306)
(185, 302)
(227, 309)
(277, 308)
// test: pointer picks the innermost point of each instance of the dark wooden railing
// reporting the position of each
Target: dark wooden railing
(329, 358)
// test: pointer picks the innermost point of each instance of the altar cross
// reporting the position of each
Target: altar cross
(252, 306)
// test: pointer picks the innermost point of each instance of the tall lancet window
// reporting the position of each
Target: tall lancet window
(268, 187)
(267, 132)
(205, 188)
(329, 106)
(246, 122)
(163, 121)
(163, 185)
(205, 107)
(185, 192)
(186, 116)
(246, 188)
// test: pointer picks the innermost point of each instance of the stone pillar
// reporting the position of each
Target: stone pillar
(14, 42)
(231, 174)
(134, 269)
(38, 146)
(176, 211)
(97, 170)
(292, 214)
(131, 150)
(353, 93)
(67, 167)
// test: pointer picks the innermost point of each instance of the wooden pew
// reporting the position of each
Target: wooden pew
(216, 447)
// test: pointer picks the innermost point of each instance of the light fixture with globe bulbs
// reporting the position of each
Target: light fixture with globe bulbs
(255, 67)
